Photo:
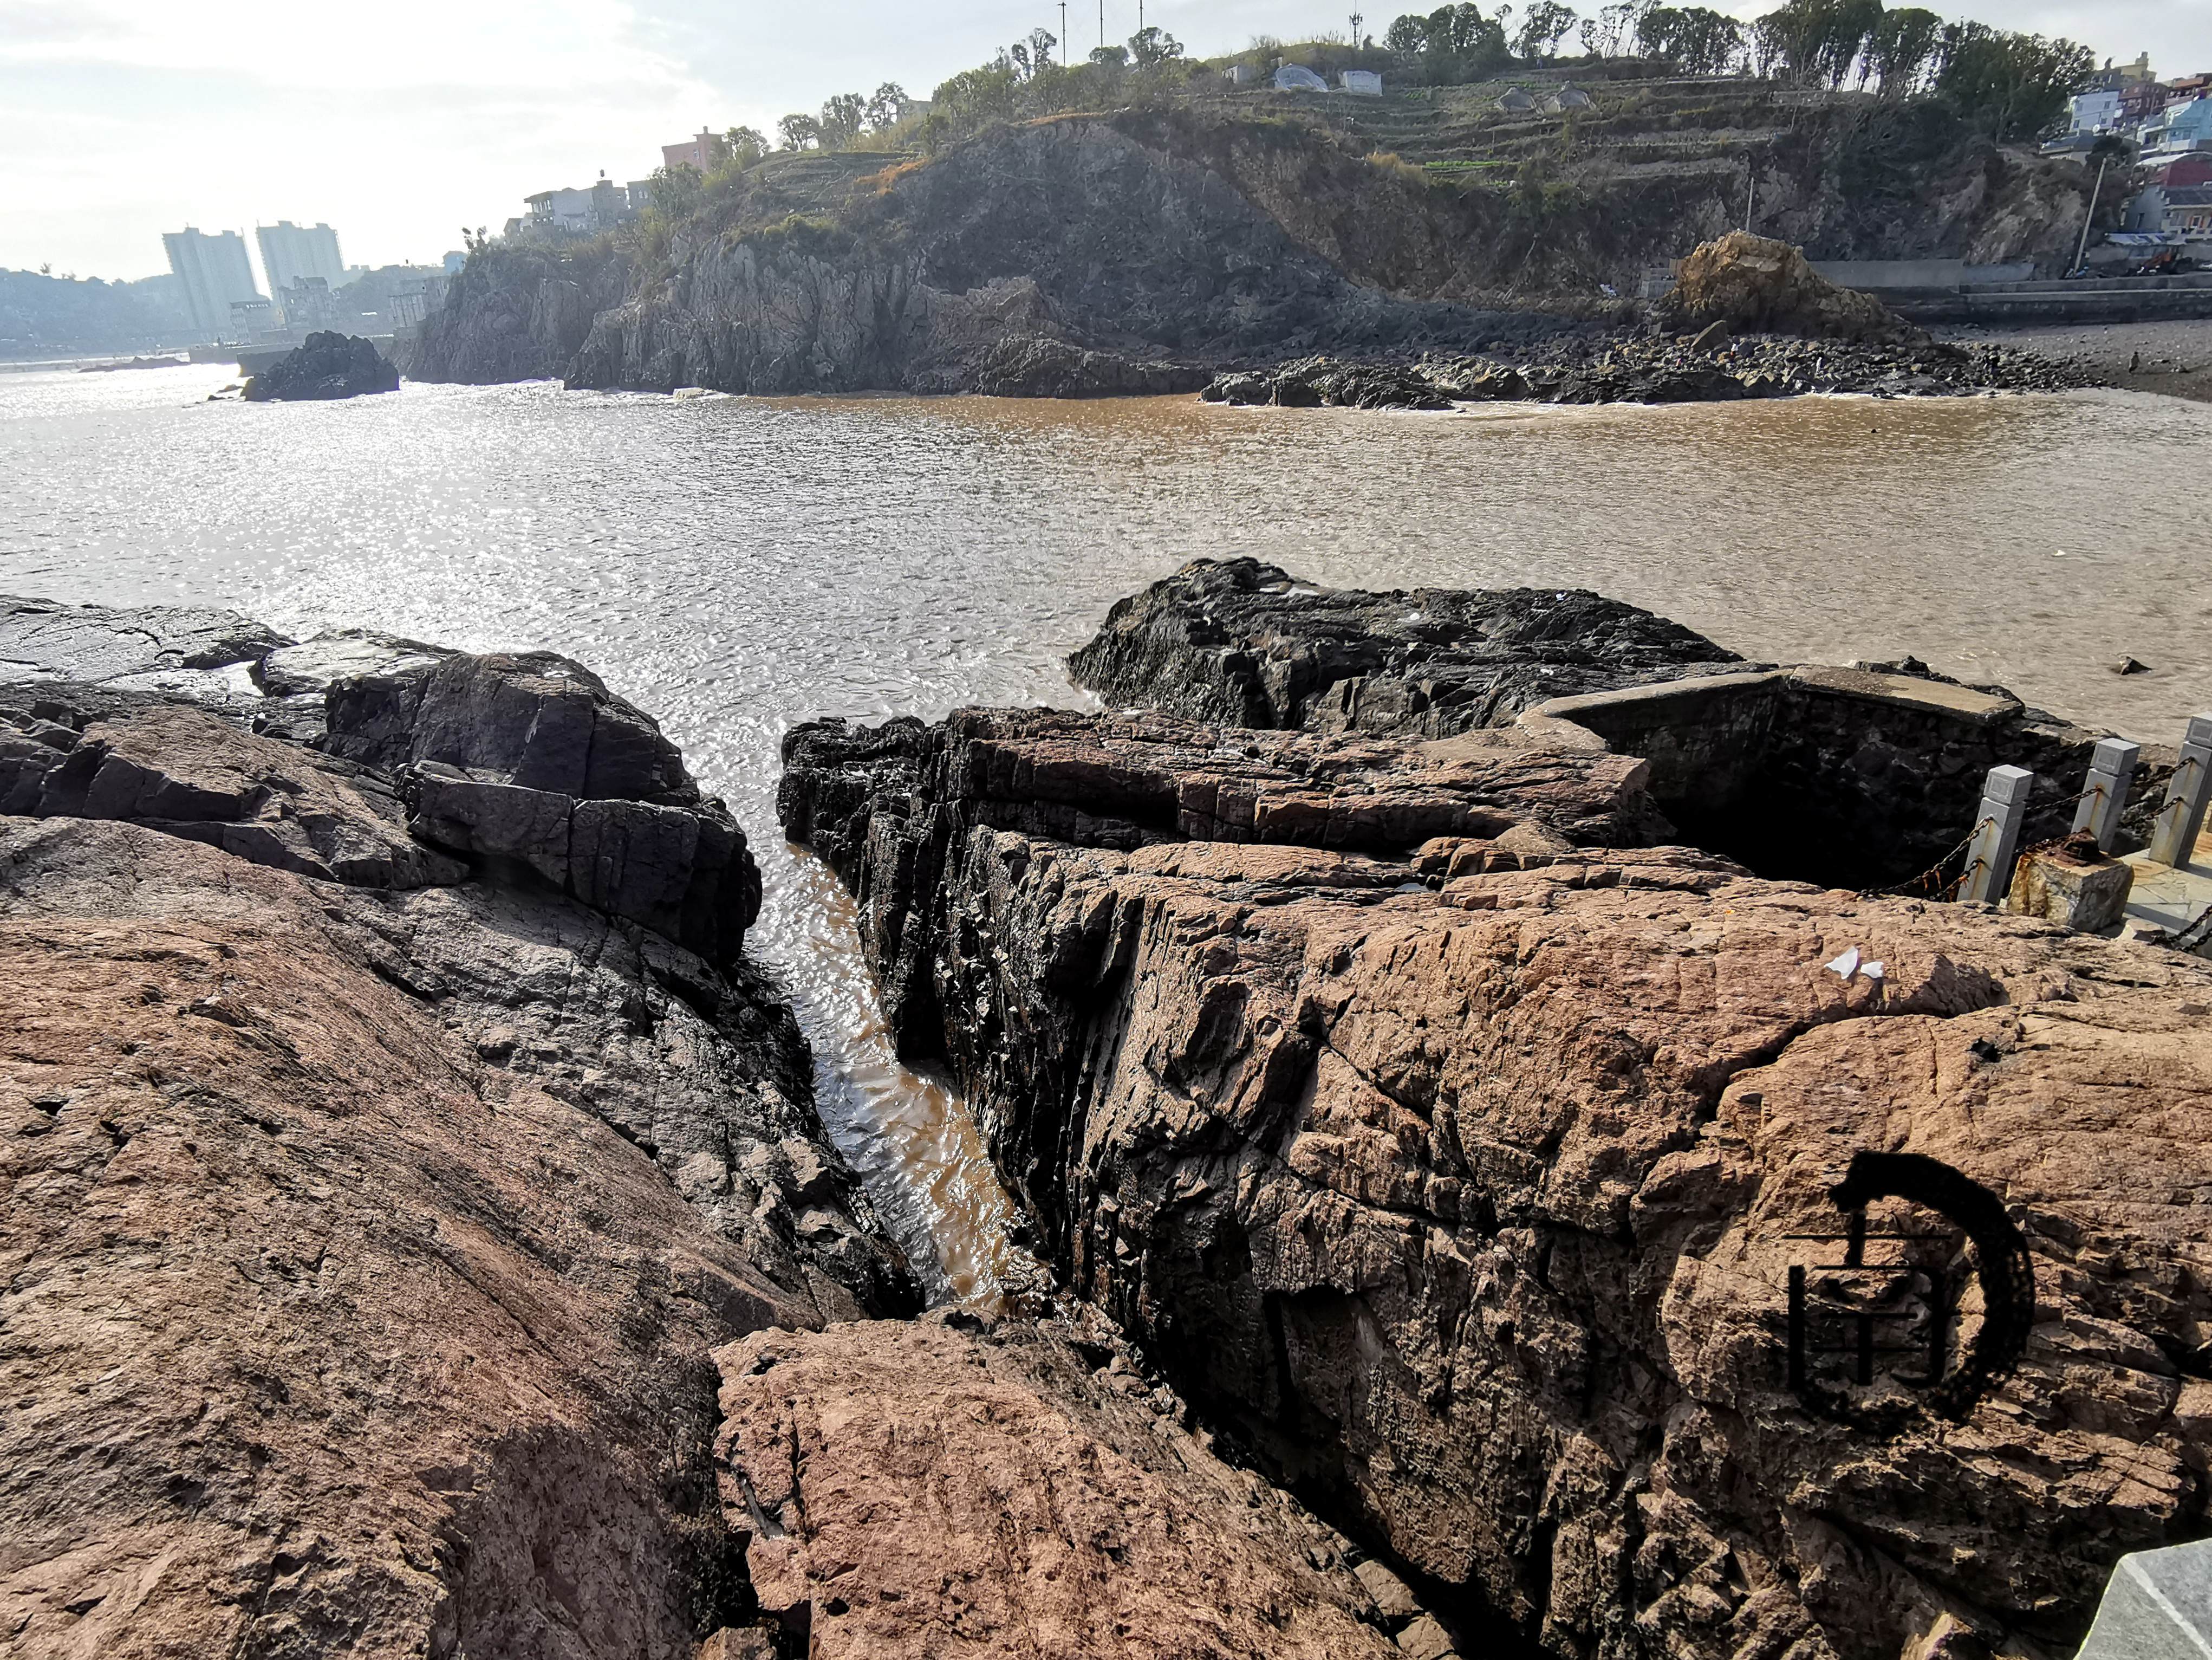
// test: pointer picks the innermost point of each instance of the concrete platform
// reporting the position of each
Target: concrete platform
(2169, 898)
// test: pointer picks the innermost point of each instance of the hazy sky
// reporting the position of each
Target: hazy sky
(400, 123)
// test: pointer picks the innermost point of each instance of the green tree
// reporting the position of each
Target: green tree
(1111, 58)
(799, 132)
(1815, 42)
(1901, 46)
(887, 107)
(1409, 33)
(1150, 48)
(1609, 33)
(842, 117)
(2011, 85)
(1695, 39)
(1543, 26)
(744, 145)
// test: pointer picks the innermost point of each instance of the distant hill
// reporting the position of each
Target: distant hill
(44, 316)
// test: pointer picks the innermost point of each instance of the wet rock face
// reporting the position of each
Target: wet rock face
(46, 640)
(919, 1490)
(1462, 1185)
(1250, 645)
(326, 366)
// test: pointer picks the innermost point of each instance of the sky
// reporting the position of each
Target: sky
(399, 124)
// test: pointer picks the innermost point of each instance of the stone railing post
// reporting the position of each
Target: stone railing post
(1997, 834)
(2112, 774)
(2183, 815)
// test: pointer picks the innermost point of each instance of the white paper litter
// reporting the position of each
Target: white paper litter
(1847, 964)
(1870, 971)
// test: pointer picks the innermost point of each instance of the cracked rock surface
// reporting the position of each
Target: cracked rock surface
(930, 1491)
(1460, 1180)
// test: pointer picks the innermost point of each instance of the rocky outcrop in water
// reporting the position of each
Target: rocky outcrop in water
(373, 1206)
(1246, 644)
(1757, 284)
(326, 365)
(1646, 369)
(1459, 1176)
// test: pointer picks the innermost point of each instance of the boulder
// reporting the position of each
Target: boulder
(1461, 1184)
(1250, 645)
(537, 720)
(327, 365)
(913, 1492)
(1755, 283)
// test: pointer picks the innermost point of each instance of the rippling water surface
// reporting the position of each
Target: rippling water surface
(735, 565)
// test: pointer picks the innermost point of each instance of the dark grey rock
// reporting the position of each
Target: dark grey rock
(326, 365)
(1248, 645)
(46, 640)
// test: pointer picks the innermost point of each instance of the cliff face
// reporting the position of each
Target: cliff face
(1455, 1152)
(516, 313)
(1049, 240)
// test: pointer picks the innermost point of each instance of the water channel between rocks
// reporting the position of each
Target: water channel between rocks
(736, 565)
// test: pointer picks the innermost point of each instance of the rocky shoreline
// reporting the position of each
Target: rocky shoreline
(420, 1238)
(1637, 369)
(1446, 1132)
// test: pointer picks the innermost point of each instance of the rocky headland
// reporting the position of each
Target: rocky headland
(1158, 249)
(1451, 1135)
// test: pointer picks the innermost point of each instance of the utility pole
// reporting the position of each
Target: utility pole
(1064, 41)
(1102, 25)
(2090, 217)
(1750, 189)
(1357, 20)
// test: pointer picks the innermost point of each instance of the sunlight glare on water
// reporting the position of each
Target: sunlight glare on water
(735, 565)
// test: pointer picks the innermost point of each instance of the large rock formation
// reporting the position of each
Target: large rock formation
(1754, 283)
(370, 1211)
(1461, 1182)
(1246, 644)
(325, 366)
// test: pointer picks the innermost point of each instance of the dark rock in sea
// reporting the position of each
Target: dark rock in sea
(1250, 645)
(1461, 1182)
(328, 365)
(1660, 369)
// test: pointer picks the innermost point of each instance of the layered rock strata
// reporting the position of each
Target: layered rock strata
(371, 1207)
(1246, 644)
(1460, 1180)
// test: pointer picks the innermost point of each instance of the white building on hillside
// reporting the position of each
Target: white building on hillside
(214, 272)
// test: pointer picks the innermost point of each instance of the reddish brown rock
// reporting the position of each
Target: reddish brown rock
(917, 1491)
(1462, 1182)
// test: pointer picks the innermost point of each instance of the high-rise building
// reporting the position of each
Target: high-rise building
(290, 251)
(213, 271)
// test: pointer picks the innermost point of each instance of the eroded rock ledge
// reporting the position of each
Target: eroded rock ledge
(1449, 1145)
(376, 1185)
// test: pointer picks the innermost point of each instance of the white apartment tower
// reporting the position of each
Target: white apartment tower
(214, 271)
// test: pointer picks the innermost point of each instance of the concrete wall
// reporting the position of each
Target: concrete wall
(1876, 274)
(1847, 778)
